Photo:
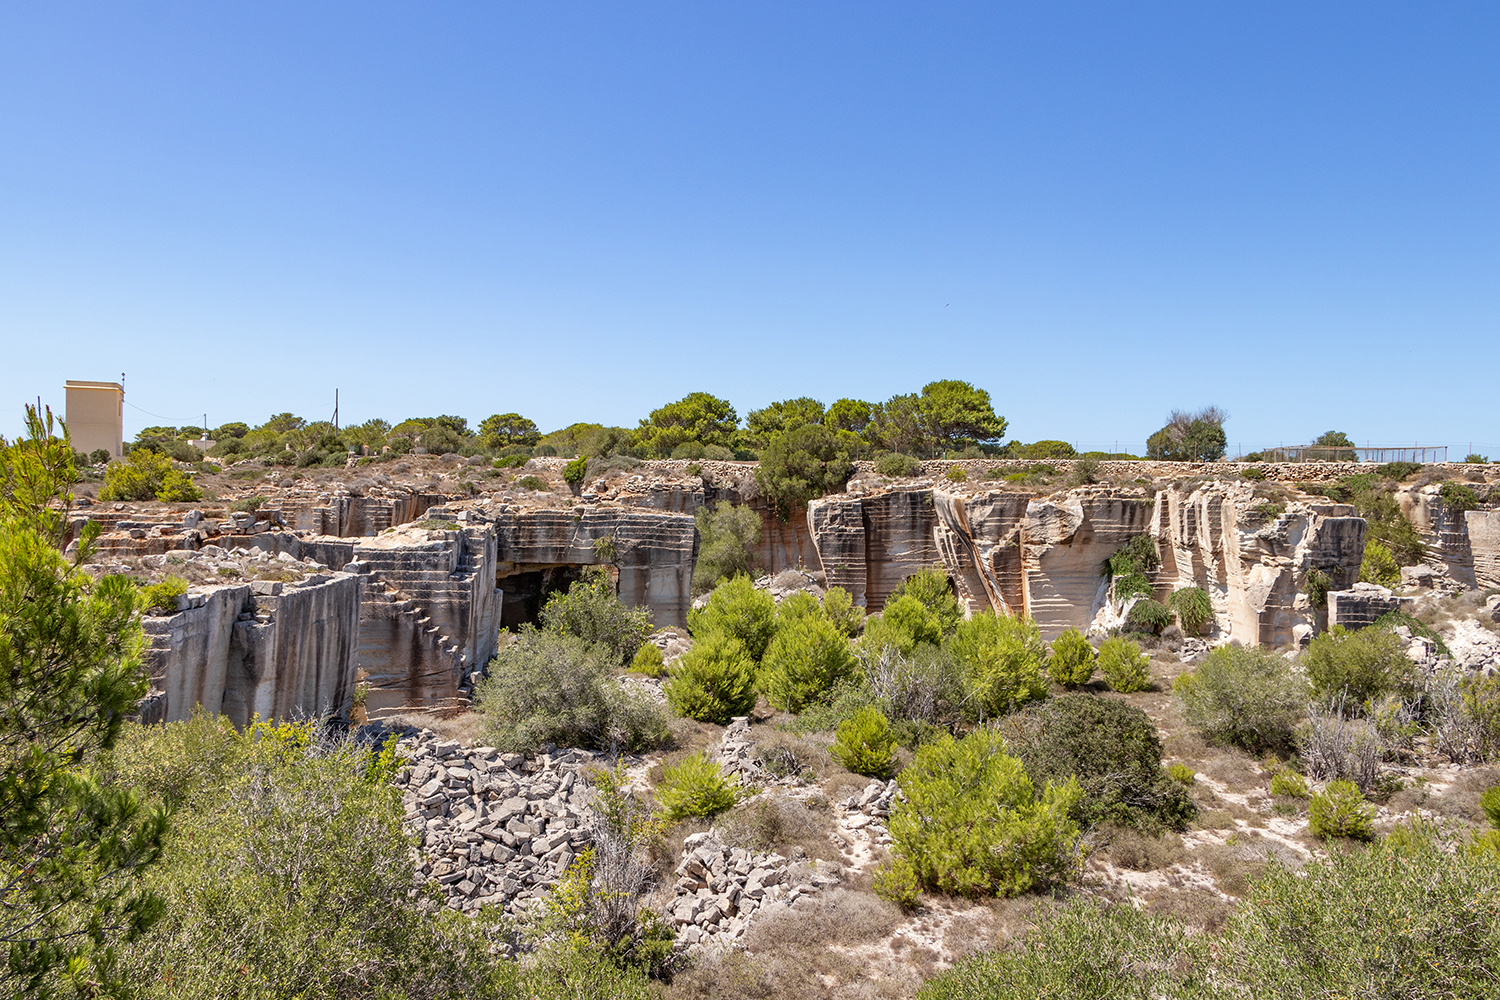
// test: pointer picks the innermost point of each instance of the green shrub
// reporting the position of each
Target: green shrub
(248, 505)
(1244, 697)
(575, 471)
(1399, 470)
(534, 483)
(545, 687)
(1289, 783)
(648, 660)
(1124, 666)
(1129, 568)
(970, 823)
(802, 464)
(804, 662)
(842, 613)
(737, 609)
(1340, 810)
(1111, 749)
(933, 588)
(1489, 801)
(1403, 919)
(727, 537)
(712, 682)
(1361, 666)
(1194, 609)
(1071, 662)
(1000, 657)
(798, 604)
(147, 475)
(696, 787)
(594, 613)
(1470, 459)
(896, 465)
(1086, 950)
(956, 474)
(897, 882)
(1316, 584)
(1256, 474)
(865, 744)
(1392, 620)
(1457, 497)
(100, 456)
(903, 625)
(1379, 566)
(161, 598)
(1182, 774)
(1147, 616)
(509, 462)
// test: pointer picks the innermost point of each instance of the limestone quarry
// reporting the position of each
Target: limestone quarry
(384, 595)
(403, 586)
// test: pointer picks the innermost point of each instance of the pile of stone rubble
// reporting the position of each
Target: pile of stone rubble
(495, 827)
(499, 828)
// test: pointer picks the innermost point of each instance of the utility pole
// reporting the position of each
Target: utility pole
(335, 411)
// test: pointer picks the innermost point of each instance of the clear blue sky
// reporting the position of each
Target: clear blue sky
(1098, 212)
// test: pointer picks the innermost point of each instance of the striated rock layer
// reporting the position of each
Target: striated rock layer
(1042, 556)
(254, 649)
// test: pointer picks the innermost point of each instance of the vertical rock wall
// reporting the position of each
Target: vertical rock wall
(279, 655)
(1043, 556)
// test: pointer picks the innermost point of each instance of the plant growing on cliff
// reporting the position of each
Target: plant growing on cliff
(1247, 697)
(1458, 498)
(712, 682)
(737, 609)
(575, 470)
(802, 464)
(1001, 660)
(1071, 661)
(147, 475)
(1193, 607)
(1124, 666)
(161, 598)
(547, 687)
(1379, 566)
(970, 823)
(1147, 616)
(593, 612)
(1128, 568)
(727, 537)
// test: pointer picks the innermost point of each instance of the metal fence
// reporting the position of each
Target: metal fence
(1421, 454)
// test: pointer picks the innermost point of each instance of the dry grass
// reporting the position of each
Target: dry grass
(1461, 799)
(1127, 848)
(465, 727)
(776, 823)
(1200, 910)
(797, 954)
(837, 916)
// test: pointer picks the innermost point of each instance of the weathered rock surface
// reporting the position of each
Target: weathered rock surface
(1042, 556)
(277, 650)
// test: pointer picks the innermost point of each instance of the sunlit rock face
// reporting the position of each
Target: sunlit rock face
(1043, 556)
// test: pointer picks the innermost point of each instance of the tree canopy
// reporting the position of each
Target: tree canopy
(1190, 437)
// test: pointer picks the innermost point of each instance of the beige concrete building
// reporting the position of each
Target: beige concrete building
(96, 416)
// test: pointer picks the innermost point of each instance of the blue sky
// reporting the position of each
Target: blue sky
(1098, 212)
